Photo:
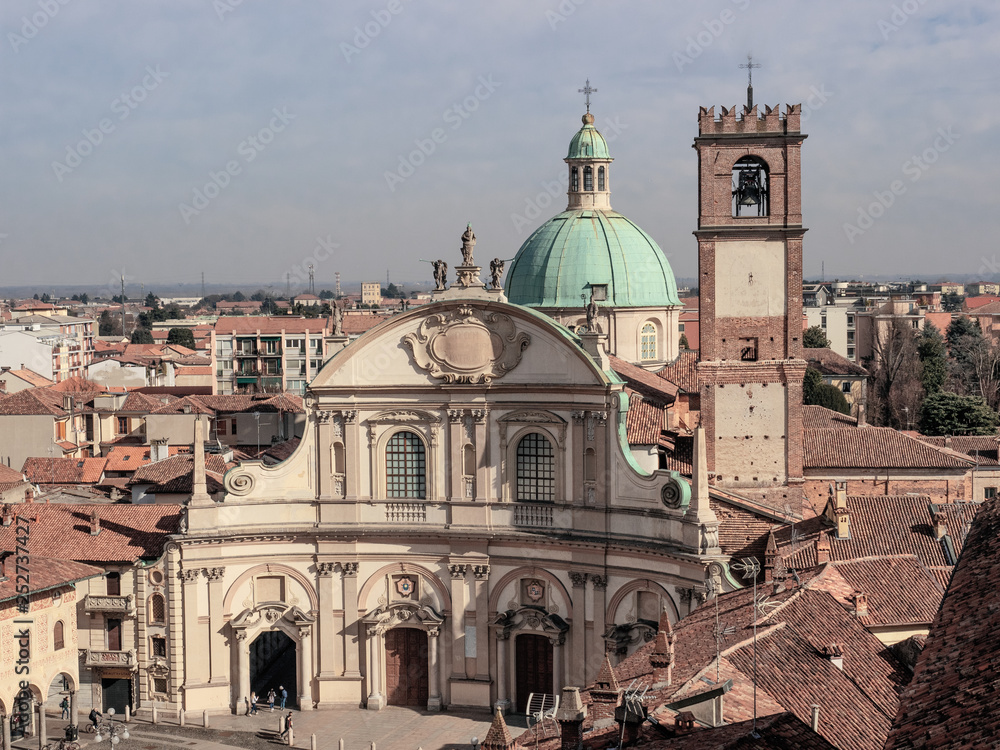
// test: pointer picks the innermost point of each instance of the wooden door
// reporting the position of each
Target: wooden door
(114, 635)
(406, 667)
(532, 667)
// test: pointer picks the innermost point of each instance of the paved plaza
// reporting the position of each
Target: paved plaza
(390, 729)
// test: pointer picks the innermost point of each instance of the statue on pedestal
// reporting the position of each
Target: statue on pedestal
(592, 315)
(468, 244)
(440, 274)
(496, 271)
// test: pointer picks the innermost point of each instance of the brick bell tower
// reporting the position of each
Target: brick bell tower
(750, 366)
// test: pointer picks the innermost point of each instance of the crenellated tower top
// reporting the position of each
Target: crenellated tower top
(772, 120)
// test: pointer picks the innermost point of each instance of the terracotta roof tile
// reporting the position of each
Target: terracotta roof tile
(127, 457)
(128, 532)
(874, 448)
(355, 325)
(47, 573)
(644, 420)
(828, 362)
(33, 378)
(952, 699)
(645, 382)
(175, 474)
(64, 470)
(820, 417)
(683, 371)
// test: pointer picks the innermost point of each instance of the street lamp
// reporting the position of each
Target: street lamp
(109, 730)
(475, 743)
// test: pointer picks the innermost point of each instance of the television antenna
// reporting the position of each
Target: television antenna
(720, 632)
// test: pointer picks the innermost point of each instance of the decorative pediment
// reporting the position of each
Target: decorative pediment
(388, 616)
(531, 417)
(267, 614)
(467, 345)
(403, 415)
(532, 618)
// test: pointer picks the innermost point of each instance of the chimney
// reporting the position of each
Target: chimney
(498, 737)
(835, 654)
(684, 722)
(841, 494)
(843, 524)
(570, 717)
(67, 402)
(770, 555)
(199, 494)
(29, 495)
(606, 688)
(95, 523)
(940, 524)
(3, 564)
(815, 718)
(860, 604)
(662, 658)
(822, 548)
(8, 515)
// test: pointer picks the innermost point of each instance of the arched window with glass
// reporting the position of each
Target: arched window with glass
(58, 636)
(600, 178)
(157, 609)
(405, 467)
(536, 469)
(648, 342)
(588, 179)
(574, 179)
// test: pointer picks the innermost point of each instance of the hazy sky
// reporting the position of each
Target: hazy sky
(246, 138)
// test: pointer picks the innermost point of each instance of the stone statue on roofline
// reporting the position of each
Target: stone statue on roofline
(337, 319)
(468, 244)
(592, 315)
(440, 274)
(496, 271)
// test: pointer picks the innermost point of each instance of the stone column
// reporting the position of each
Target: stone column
(557, 663)
(349, 582)
(243, 665)
(195, 667)
(305, 668)
(324, 454)
(600, 583)
(433, 670)
(456, 446)
(376, 701)
(482, 573)
(482, 457)
(43, 735)
(457, 620)
(329, 663)
(6, 732)
(217, 641)
(578, 634)
(73, 717)
(352, 454)
(503, 704)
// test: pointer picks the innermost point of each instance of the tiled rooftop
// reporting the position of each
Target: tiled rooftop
(878, 448)
(63, 470)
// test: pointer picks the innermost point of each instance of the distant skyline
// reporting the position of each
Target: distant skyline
(246, 140)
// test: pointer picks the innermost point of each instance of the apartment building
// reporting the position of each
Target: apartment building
(268, 355)
(371, 293)
(839, 323)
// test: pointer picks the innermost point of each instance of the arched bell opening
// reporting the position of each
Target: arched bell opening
(751, 196)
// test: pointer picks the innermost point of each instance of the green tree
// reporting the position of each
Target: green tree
(814, 337)
(85, 298)
(259, 296)
(965, 345)
(238, 296)
(108, 326)
(951, 302)
(817, 393)
(46, 297)
(181, 337)
(326, 294)
(142, 336)
(683, 343)
(933, 358)
(151, 301)
(946, 413)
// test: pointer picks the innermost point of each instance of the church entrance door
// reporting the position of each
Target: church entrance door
(272, 666)
(532, 666)
(406, 672)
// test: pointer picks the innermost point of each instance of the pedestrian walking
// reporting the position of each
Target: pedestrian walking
(253, 704)
(284, 696)
(64, 705)
(270, 698)
(288, 726)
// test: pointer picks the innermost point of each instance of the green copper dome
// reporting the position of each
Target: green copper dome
(559, 262)
(588, 143)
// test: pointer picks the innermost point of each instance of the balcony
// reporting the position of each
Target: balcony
(109, 604)
(246, 353)
(406, 512)
(533, 515)
(95, 658)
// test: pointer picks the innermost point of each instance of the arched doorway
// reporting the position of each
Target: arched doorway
(532, 667)
(406, 667)
(272, 666)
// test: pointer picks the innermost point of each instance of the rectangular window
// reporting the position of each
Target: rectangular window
(600, 292)
(748, 349)
(405, 467)
(845, 386)
(989, 492)
(159, 647)
(850, 337)
(822, 321)
(850, 352)
(850, 321)
(221, 427)
(315, 364)
(159, 684)
(123, 426)
(114, 628)
(270, 347)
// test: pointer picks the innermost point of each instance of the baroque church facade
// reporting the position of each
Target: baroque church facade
(464, 522)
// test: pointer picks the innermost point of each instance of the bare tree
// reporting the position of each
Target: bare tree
(895, 392)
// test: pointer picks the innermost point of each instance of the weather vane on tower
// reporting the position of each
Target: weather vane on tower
(750, 65)
(588, 91)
